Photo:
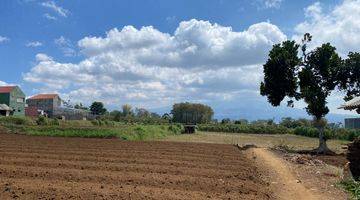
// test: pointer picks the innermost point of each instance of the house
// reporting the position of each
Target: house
(14, 99)
(353, 104)
(42, 103)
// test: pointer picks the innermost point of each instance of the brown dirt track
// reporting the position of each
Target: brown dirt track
(78, 168)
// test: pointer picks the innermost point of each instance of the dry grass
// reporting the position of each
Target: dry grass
(261, 140)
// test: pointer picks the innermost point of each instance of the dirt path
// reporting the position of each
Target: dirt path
(283, 182)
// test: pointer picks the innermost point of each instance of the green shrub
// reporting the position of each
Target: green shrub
(41, 121)
(176, 128)
(71, 132)
(15, 120)
(341, 133)
(54, 122)
(352, 187)
(245, 128)
(109, 123)
(306, 131)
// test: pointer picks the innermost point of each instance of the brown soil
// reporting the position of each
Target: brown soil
(283, 182)
(317, 173)
(78, 168)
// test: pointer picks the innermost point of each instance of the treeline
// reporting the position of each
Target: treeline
(128, 114)
(202, 116)
(186, 113)
(302, 127)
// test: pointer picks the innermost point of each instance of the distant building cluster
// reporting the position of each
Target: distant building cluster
(13, 102)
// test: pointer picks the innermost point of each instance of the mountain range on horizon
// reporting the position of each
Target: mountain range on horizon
(261, 110)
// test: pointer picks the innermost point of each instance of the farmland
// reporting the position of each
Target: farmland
(292, 142)
(53, 167)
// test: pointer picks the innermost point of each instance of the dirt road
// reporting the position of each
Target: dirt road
(283, 181)
(78, 168)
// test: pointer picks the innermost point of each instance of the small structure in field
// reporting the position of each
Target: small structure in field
(189, 128)
(42, 104)
(354, 104)
(14, 98)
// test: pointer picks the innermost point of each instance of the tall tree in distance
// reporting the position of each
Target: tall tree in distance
(191, 113)
(311, 77)
(97, 108)
(127, 110)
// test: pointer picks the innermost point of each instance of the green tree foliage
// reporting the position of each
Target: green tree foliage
(142, 113)
(80, 106)
(226, 121)
(97, 108)
(116, 115)
(241, 121)
(311, 77)
(127, 110)
(280, 72)
(167, 117)
(289, 122)
(349, 76)
(191, 113)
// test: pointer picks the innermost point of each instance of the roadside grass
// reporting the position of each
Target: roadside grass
(88, 129)
(352, 187)
(293, 142)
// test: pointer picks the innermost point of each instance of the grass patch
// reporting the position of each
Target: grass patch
(125, 132)
(291, 142)
(353, 187)
(87, 129)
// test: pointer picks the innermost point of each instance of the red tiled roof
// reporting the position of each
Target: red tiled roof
(44, 96)
(6, 89)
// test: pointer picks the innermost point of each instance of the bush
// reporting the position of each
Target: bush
(176, 128)
(15, 120)
(258, 128)
(341, 133)
(41, 121)
(54, 122)
(352, 187)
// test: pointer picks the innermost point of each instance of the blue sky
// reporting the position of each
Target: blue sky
(208, 51)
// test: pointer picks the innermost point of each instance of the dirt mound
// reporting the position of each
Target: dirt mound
(78, 168)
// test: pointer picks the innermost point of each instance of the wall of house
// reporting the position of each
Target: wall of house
(17, 102)
(46, 105)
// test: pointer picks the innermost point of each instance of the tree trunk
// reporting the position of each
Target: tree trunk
(323, 148)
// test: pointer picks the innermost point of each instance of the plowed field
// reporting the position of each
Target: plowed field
(79, 168)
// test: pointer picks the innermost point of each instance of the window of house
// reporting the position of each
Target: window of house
(20, 100)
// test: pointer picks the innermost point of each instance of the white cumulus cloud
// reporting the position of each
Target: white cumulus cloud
(2, 83)
(147, 67)
(58, 9)
(340, 26)
(49, 17)
(4, 39)
(65, 46)
(268, 4)
(34, 44)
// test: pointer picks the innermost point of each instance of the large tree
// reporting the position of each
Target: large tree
(97, 108)
(350, 77)
(310, 77)
(191, 113)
